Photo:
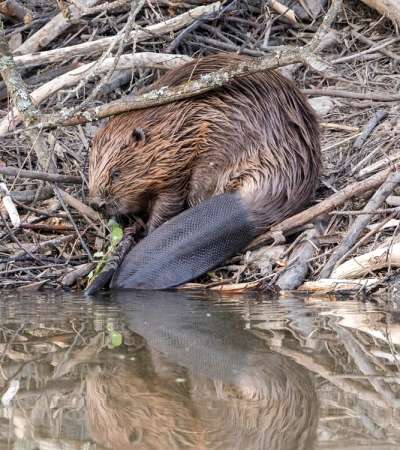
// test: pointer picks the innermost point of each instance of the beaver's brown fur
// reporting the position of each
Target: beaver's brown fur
(257, 135)
(271, 406)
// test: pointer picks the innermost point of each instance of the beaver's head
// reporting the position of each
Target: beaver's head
(118, 169)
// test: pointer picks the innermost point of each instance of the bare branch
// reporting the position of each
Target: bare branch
(284, 56)
(361, 222)
(87, 48)
(73, 77)
(21, 99)
(36, 175)
(323, 207)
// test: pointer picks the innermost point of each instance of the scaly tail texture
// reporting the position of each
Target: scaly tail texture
(187, 246)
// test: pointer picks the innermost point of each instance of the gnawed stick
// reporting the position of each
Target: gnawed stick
(362, 265)
(52, 29)
(327, 285)
(12, 8)
(297, 268)
(9, 206)
(361, 222)
(77, 273)
(380, 164)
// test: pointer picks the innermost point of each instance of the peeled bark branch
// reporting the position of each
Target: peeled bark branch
(54, 28)
(369, 262)
(88, 48)
(12, 8)
(331, 285)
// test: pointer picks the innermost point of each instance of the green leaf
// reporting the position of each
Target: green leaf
(117, 232)
(116, 339)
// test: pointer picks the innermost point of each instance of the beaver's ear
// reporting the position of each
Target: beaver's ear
(138, 135)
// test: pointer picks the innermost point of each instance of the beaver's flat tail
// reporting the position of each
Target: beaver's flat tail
(187, 246)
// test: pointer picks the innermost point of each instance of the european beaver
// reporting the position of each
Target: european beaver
(240, 157)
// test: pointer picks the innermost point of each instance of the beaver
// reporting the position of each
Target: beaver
(208, 173)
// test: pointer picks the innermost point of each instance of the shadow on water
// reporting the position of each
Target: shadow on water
(169, 370)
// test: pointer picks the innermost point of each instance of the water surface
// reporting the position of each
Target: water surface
(168, 370)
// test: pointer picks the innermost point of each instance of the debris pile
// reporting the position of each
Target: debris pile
(61, 68)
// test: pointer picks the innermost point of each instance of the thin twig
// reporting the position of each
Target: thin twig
(360, 223)
(37, 175)
(83, 243)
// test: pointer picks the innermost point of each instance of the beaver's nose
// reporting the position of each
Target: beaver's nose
(97, 203)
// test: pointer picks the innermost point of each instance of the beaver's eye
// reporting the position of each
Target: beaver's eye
(115, 174)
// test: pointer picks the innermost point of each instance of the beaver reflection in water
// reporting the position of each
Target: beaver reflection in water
(241, 157)
(272, 408)
(199, 380)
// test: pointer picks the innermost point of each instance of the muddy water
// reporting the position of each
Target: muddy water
(165, 370)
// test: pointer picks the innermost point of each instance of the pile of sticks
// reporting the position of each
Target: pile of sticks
(64, 71)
